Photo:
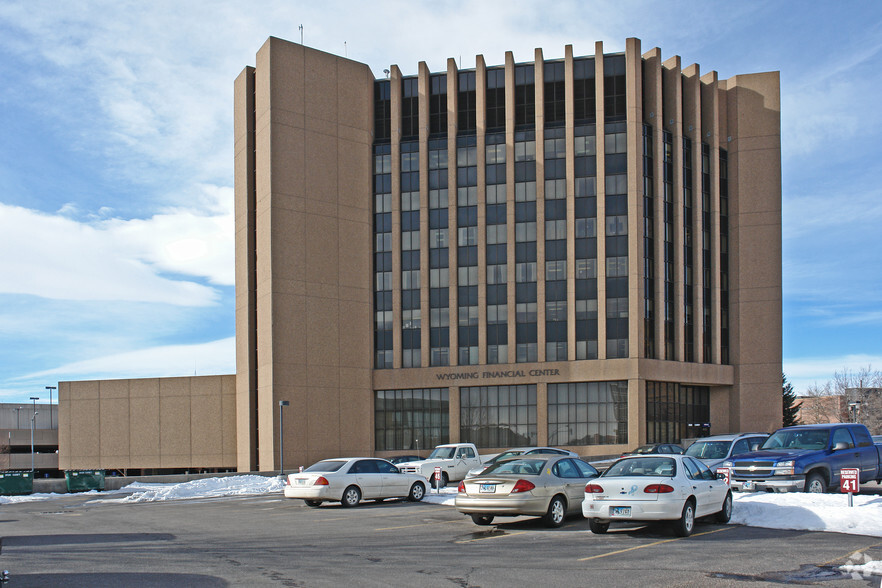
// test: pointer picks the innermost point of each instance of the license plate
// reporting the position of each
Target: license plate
(620, 511)
(488, 488)
(747, 485)
(301, 481)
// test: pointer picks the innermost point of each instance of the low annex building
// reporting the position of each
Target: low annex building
(582, 252)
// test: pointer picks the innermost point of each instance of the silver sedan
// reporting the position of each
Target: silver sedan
(350, 479)
(550, 486)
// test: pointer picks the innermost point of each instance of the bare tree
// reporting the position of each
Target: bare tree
(821, 404)
(862, 386)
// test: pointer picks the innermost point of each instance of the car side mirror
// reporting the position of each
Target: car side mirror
(840, 446)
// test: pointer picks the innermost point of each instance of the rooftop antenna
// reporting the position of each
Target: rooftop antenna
(387, 72)
(301, 34)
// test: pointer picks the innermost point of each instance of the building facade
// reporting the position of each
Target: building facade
(582, 252)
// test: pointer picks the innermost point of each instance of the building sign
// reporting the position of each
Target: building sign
(489, 375)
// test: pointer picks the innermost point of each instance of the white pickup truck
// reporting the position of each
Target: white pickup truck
(454, 459)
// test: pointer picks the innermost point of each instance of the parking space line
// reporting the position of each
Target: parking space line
(855, 552)
(419, 525)
(492, 537)
(652, 544)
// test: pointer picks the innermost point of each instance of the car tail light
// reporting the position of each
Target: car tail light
(593, 489)
(321, 481)
(522, 486)
(287, 481)
(658, 489)
(461, 487)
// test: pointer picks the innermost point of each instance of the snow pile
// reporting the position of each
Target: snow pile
(204, 488)
(871, 568)
(32, 497)
(446, 497)
(810, 512)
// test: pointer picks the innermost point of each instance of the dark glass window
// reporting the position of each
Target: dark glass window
(414, 420)
(495, 98)
(675, 412)
(382, 110)
(554, 93)
(498, 416)
(438, 104)
(410, 108)
(525, 95)
(588, 413)
(466, 102)
(614, 102)
(584, 98)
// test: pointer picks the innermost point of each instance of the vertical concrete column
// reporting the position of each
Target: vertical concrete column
(539, 81)
(480, 115)
(569, 117)
(673, 121)
(710, 125)
(542, 413)
(634, 107)
(601, 199)
(692, 130)
(510, 200)
(653, 99)
(246, 276)
(396, 87)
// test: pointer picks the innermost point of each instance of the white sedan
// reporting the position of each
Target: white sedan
(678, 488)
(348, 480)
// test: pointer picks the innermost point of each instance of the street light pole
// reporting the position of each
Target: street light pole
(33, 424)
(282, 404)
(50, 388)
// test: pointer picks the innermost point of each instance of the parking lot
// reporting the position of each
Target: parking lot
(268, 540)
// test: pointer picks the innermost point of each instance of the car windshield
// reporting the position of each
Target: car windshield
(645, 449)
(709, 449)
(503, 455)
(797, 439)
(326, 466)
(442, 453)
(529, 467)
(642, 466)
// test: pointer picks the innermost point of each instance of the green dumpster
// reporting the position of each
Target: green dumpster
(16, 483)
(84, 480)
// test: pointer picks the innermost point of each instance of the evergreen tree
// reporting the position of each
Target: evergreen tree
(791, 410)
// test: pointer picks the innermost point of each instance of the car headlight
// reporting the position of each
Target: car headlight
(727, 464)
(785, 467)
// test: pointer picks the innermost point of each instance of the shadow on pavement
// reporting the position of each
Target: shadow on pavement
(142, 580)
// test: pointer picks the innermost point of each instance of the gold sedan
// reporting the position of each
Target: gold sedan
(547, 486)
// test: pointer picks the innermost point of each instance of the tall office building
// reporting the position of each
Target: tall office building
(582, 252)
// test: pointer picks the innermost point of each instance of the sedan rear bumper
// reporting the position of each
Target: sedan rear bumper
(309, 492)
(655, 510)
(525, 504)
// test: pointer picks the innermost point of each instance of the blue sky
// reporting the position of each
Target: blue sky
(116, 159)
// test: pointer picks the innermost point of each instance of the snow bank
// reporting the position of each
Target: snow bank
(872, 568)
(204, 488)
(810, 512)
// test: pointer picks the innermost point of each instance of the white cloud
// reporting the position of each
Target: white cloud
(212, 358)
(58, 257)
(807, 371)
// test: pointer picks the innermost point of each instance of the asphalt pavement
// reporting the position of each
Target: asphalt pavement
(82, 540)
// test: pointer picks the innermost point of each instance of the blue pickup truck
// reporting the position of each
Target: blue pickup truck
(807, 458)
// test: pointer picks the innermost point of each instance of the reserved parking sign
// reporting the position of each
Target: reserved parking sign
(850, 481)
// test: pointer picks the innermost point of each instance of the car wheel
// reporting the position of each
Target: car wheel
(598, 527)
(726, 512)
(351, 496)
(482, 519)
(815, 483)
(557, 512)
(417, 491)
(684, 525)
(313, 503)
